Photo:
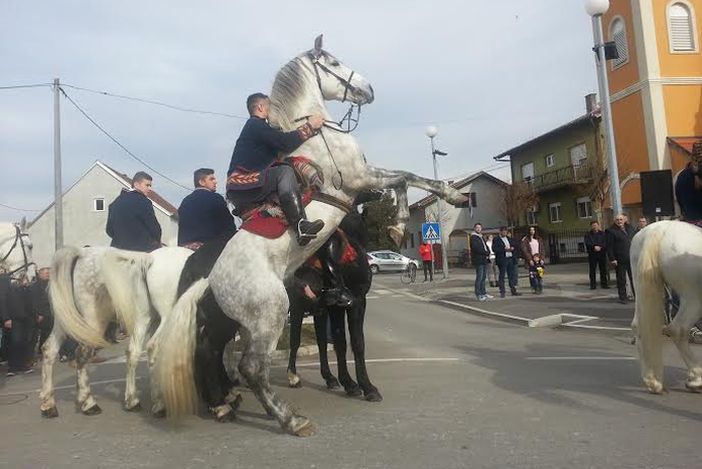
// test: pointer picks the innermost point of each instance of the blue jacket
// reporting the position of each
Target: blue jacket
(259, 144)
(132, 224)
(203, 216)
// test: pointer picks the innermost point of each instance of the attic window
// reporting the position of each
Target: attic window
(99, 204)
(681, 31)
(618, 35)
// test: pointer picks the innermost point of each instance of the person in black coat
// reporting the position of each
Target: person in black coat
(596, 246)
(4, 314)
(618, 245)
(131, 221)
(479, 256)
(203, 215)
(506, 256)
(688, 187)
(41, 307)
(20, 323)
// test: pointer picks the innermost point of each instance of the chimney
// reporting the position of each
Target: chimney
(590, 103)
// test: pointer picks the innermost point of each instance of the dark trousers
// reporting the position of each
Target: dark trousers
(426, 265)
(598, 259)
(20, 344)
(536, 282)
(508, 267)
(624, 271)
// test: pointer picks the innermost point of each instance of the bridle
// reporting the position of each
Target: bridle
(18, 241)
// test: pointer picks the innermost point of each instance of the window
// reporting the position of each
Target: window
(578, 154)
(617, 33)
(550, 160)
(528, 171)
(99, 205)
(531, 217)
(681, 28)
(554, 212)
(471, 202)
(584, 205)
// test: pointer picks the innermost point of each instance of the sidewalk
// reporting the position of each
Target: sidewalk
(567, 300)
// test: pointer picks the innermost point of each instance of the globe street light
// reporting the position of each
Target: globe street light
(432, 132)
(597, 8)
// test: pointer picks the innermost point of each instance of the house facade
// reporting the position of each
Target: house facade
(85, 206)
(655, 86)
(485, 205)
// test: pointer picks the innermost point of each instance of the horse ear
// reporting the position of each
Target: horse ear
(318, 45)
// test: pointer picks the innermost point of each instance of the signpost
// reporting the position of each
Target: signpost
(431, 233)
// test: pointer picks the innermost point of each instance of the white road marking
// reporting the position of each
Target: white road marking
(581, 358)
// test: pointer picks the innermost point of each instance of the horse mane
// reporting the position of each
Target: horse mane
(288, 87)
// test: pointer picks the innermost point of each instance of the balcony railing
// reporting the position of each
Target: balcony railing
(574, 174)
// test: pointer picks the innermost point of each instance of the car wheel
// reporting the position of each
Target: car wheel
(374, 269)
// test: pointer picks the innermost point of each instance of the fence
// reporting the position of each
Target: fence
(561, 246)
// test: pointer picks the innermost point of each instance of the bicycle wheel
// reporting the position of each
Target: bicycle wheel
(412, 269)
(406, 275)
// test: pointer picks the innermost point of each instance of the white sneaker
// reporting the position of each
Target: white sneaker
(489, 297)
(482, 298)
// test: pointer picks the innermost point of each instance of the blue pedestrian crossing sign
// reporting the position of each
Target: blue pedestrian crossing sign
(431, 232)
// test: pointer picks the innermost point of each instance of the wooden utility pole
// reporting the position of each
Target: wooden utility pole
(58, 193)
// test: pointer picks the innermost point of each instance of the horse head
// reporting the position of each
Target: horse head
(16, 250)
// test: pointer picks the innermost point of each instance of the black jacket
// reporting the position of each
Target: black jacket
(479, 252)
(4, 298)
(618, 244)
(202, 216)
(258, 145)
(19, 303)
(689, 198)
(132, 224)
(40, 298)
(596, 238)
(499, 248)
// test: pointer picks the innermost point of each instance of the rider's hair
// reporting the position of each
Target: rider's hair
(140, 176)
(253, 100)
(200, 174)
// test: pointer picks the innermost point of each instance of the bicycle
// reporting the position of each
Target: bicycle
(409, 274)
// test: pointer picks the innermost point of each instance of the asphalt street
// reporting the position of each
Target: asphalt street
(459, 391)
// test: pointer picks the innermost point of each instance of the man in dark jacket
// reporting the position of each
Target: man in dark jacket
(41, 306)
(506, 257)
(596, 246)
(20, 324)
(4, 314)
(479, 255)
(131, 221)
(255, 175)
(618, 244)
(203, 215)
(688, 187)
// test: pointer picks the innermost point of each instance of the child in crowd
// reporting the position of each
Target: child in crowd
(536, 274)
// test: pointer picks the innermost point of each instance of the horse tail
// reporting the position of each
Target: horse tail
(174, 369)
(63, 302)
(124, 275)
(649, 286)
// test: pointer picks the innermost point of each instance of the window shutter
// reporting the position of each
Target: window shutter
(473, 199)
(680, 28)
(618, 34)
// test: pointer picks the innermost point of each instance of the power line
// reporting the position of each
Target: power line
(155, 103)
(16, 87)
(126, 150)
(19, 209)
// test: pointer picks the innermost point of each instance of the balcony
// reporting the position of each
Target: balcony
(570, 175)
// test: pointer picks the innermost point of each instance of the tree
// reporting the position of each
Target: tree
(380, 215)
(518, 198)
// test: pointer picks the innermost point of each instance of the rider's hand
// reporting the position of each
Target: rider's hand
(316, 121)
(7, 324)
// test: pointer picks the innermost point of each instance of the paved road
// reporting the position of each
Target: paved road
(460, 391)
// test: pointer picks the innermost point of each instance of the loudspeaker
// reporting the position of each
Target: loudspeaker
(657, 193)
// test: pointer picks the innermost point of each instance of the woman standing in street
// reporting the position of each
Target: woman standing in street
(532, 244)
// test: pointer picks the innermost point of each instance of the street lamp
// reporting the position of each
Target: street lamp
(432, 132)
(597, 8)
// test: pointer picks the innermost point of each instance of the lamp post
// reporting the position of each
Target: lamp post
(432, 132)
(597, 8)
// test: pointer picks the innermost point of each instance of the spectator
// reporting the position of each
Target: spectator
(688, 187)
(630, 230)
(20, 325)
(426, 255)
(491, 266)
(4, 315)
(641, 224)
(532, 244)
(506, 258)
(203, 215)
(131, 221)
(596, 246)
(41, 307)
(618, 244)
(479, 258)
(536, 274)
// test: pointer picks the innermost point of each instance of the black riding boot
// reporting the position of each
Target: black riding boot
(305, 230)
(338, 294)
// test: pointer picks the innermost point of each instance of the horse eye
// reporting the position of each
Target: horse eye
(334, 63)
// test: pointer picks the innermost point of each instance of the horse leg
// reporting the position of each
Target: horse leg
(338, 327)
(320, 332)
(356, 316)
(158, 408)
(687, 316)
(380, 178)
(84, 399)
(295, 335)
(50, 351)
(207, 376)
(397, 231)
(133, 353)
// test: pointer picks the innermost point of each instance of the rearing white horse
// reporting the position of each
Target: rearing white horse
(247, 280)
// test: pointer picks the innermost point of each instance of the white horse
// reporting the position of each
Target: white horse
(16, 251)
(89, 288)
(666, 253)
(247, 279)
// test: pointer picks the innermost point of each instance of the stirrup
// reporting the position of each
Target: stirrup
(303, 238)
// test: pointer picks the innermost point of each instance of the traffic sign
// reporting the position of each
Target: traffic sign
(431, 232)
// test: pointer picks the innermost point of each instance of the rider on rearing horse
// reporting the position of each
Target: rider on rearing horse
(254, 177)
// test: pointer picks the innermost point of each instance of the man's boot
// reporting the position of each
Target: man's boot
(305, 230)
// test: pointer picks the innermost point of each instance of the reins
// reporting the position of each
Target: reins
(18, 238)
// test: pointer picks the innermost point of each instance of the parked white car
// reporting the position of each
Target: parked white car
(386, 261)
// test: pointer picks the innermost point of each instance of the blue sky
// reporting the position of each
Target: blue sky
(488, 74)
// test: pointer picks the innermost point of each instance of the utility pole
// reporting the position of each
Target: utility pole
(58, 193)
(431, 132)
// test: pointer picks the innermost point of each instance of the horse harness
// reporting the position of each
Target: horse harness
(19, 240)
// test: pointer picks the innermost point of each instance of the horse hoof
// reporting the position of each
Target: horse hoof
(50, 413)
(135, 408)
(236, 402)
(94, 410)
(304, 429)
(353, 391)
(373, 396)
(159, 414)
(696, 387)
(333, 383)
(226, 418)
